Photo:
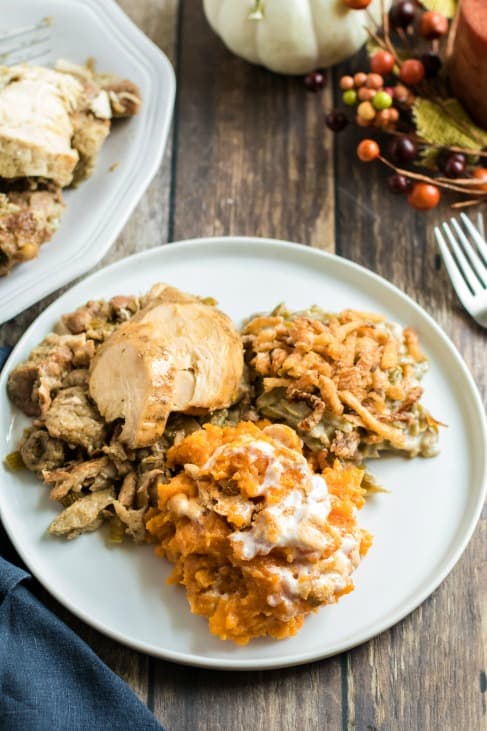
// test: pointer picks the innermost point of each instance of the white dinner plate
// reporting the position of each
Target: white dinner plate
(95, 212)
(421, 526)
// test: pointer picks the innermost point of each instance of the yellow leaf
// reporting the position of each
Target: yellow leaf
(445, 7)
(447, 123)
(427, 157)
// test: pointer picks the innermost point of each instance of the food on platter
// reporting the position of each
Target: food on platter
(257, 538)
(53, 122)
(349, 382)
(28, 218)
(107, 468)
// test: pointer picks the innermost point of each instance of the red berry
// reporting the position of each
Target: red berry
(445, 160)
(424, 196)
(315, 81)
(454, 169)
(398, 184)
(433, 25)
(368, 150)
(453, 164)
(402, 14)
(382, 62)
(336, 121)
(402, 149)
(412, 72)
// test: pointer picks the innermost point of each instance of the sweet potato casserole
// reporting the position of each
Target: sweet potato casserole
(257, 538)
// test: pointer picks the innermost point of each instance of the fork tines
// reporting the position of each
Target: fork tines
(464, 252)
(26, 44)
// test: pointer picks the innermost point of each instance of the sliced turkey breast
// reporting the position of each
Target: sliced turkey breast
(35, 124)
(176, 354)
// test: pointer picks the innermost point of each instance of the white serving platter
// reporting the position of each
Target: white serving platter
(96, 211)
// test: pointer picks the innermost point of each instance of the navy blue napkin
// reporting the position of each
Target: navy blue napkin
(50, 680)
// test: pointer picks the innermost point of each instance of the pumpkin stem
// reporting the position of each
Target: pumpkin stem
(258, 12)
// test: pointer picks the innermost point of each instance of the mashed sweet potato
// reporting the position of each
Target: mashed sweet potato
(257, 538)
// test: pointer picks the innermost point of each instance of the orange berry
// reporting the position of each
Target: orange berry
(364, 122)
(412, 72)
(346, 82)
(365, 95)
(424, 196)
(433, 25)
(401, 93)
(368, 150)
(393, 114)
(382, 118)
(366, 111)
(357, 4)
(382, 62)
(359, 79)
(374, 81)
(480, 174)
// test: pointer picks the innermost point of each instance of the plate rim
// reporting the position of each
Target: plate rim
(377, 627)
(107, 229)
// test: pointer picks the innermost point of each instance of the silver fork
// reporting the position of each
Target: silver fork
(26, 44)
(465, 258)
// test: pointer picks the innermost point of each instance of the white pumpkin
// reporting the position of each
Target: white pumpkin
(291, 36)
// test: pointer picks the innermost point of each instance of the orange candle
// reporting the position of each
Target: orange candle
(468, 62)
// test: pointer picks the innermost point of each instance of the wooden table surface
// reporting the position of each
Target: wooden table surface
(249, 154)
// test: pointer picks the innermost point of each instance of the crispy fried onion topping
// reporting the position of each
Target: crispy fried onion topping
(352, 365)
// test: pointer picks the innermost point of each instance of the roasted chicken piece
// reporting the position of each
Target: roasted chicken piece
(176, 354)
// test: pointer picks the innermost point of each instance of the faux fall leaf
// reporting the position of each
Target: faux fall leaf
(427, 157)
(445, 7)
(447, 123)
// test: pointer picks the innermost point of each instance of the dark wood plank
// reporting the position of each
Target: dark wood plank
(282, 700)
(426, 672)
(251, 157)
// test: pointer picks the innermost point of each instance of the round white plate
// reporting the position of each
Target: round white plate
(95, 212)
(421, 527)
